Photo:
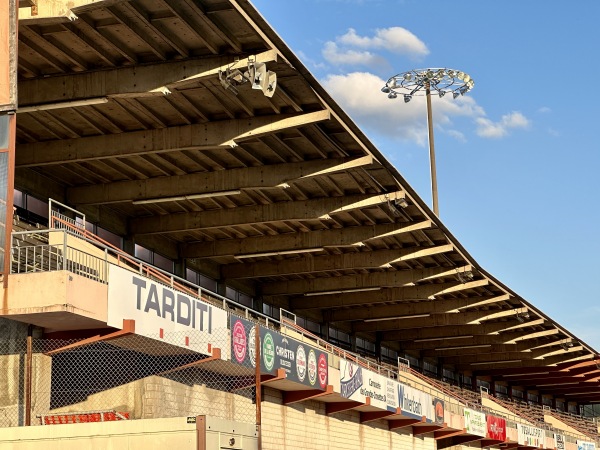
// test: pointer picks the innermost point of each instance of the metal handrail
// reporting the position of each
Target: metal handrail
(144, 268)
(180, 284)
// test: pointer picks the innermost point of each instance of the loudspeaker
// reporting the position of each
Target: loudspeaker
(271, 84)
(261, 78)
(258, 75)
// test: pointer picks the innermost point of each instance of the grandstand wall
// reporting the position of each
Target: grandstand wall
(184, 433)
(303, 230)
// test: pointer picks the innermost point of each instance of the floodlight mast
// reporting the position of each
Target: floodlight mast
(423, 81)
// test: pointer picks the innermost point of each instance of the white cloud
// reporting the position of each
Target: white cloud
(394, 39)
(457, 135)
(352, 49)
(544, 110)
(489, 129)
(335, 56)
(309, 61)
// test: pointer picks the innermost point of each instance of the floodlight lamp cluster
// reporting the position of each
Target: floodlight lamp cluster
(422, 81)
(256, 74)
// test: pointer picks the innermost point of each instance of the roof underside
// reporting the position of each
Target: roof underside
(123, 116)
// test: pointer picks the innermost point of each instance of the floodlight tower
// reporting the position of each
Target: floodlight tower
(423, 82)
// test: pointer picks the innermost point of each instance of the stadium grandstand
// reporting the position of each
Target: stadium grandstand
(203, 250)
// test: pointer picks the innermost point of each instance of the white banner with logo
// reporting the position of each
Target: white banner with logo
(358, 383)
(163, 313)
(531, 436)
(585, 445)
(475, 422)
(415, 403)
(559, 442)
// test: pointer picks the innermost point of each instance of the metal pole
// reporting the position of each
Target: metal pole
(434, 190)
(257, 360)
(28, 375)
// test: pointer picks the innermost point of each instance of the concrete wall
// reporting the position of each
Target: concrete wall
(13, 344)
(56, 300)
(132, 435)
(306, 425)
(556, 423)
(11, 330)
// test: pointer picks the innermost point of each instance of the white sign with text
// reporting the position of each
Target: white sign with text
(163, 313)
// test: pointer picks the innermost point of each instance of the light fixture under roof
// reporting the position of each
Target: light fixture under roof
(462, 347)
(508, 361)
(180, 198)
(445, 338)
(382, 319)
(341, 291)
(279, 253)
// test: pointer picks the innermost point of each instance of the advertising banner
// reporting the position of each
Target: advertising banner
(585, 445)
(438, 411)
(415, 403)
(302, 363)
(163, 313)
(559, 442)
(496, 428)
(358, 383)
(530, 436)
(475, 422)
(351, 381)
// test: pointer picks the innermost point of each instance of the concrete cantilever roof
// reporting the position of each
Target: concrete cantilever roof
(122, 115)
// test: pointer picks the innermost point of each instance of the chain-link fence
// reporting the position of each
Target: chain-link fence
(125, 377)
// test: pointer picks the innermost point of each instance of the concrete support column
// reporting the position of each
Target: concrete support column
(129, 245)
(179, 267)
(325, 330)
(221, 287)
(378, 341)
(353, 342)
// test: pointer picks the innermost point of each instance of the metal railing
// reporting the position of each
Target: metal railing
(30, 254)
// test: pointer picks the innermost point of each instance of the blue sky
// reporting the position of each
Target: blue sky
(517, 157)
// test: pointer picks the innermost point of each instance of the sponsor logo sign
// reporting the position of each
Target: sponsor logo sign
(302, 363)
(312, 368)
(438, 411)
(585, 445)
(393, 402)
(323, 370)
(163, 313)
(415, 403)
(496, 428)
(239, 342)
(475, 422)
(358, 383)
(351, 380)
(268, 352)
(559, 442)
(531, 436)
